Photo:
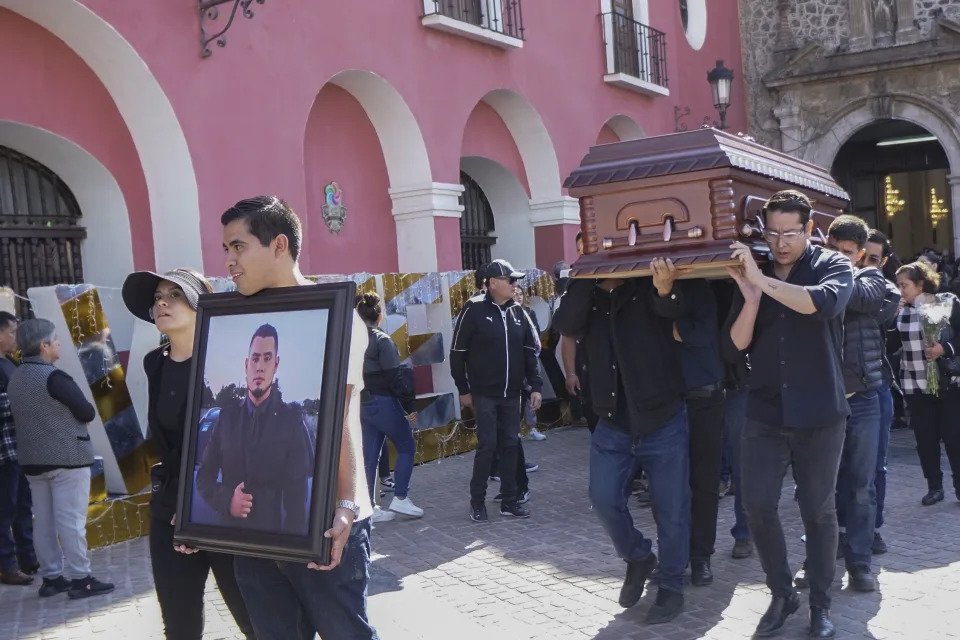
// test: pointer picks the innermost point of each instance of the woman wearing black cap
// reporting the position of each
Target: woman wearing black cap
(170, 302)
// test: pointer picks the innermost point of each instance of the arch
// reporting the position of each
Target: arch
(533, 142)
(108, 247)
(401, 139)
(511, 210)
(860, 113)
(149, 116)
(625, 127)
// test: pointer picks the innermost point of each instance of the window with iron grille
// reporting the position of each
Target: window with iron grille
(40, 232)
(476, 225)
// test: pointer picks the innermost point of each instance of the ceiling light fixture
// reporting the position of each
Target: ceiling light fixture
(909, 140)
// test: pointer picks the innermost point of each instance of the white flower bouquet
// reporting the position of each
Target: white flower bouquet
(934, 318)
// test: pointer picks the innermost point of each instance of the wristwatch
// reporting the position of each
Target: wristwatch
(346, 504)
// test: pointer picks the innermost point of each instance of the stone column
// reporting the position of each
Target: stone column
(954, 182)
(861, 24)
(555, 225)
(791, 127)
(428, 226)
(906, 31)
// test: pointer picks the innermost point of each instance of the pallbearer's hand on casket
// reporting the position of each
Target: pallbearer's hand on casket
(664, 275)
(747, 275)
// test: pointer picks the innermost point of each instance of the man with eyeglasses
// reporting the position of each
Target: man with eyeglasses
(495, 347)
(876, 253)
(788, 316)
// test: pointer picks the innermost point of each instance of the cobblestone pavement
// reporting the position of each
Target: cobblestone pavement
(555, 576)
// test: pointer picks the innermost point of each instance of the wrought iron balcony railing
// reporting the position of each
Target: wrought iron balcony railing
(499, 16)
(635, 49)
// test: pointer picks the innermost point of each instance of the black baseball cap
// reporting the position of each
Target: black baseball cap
(500, 268)
(140, 287)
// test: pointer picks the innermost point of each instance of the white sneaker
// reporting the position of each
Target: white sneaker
(379, 515)
(406, 507)
(536, 435)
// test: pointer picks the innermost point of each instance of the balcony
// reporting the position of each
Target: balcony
(636, 55)
(494, 22)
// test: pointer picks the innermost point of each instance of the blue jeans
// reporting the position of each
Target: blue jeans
(734, 416)
(856, 495)
(664, 454)
(382, 417)
(880, 482)
(288, 601)
(16, 519)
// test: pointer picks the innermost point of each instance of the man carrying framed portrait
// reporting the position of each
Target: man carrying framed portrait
(291, 600)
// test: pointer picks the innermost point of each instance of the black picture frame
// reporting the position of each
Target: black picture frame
(337, 299)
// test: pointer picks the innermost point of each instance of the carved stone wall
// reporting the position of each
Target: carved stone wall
(927, 11)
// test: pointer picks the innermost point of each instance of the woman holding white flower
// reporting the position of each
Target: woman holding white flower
(929, 328)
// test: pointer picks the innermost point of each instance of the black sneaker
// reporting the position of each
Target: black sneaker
(514, 509)
(933, 497)
(531, 467)
(668, 606)
(479, 513)
(523, 499)
(879, 547)
(53, 586)
(862, 579)
(89, 586)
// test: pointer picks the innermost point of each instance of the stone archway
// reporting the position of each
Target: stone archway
(625, 128)
(149, 116)
(823, 149)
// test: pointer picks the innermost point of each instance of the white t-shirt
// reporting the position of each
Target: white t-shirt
(358, 345)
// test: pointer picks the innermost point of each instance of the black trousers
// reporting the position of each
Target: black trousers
(523, 480)
(705, 415)
(766, 451)
(934, 419)
(498, 431)
(180, 580)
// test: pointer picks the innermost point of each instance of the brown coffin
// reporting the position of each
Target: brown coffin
(687, 196)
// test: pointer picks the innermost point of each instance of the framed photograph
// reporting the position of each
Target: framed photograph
(264, 421)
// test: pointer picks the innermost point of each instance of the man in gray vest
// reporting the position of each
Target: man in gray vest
(53, 445)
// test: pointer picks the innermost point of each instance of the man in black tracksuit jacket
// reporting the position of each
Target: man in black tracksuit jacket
(494, 349)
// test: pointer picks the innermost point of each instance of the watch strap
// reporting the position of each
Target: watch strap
(352, 506)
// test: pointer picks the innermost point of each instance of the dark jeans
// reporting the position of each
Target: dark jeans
(523, 480)
(180, 580)
(614, 456)
(382, 417)
(880, 481)
(734, 416)
(934, 419)
(706, 450)
(288, 601)
(16, 519)
(815, 455)
(498, 432)
(856, 494)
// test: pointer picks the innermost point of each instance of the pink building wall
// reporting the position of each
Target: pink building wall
(258, 117)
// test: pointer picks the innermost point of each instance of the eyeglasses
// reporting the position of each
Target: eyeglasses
(505, 279)
(772, 236)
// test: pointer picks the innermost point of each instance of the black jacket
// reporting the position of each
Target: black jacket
(382, 373)
(628, 341)
(872, 305)
(494, 349)
(169, 446)
(268, 448)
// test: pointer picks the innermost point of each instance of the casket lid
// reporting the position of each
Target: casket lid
(697, 150)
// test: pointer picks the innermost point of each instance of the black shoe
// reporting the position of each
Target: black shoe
(668, 606)
(742, 549)
(879, 547)
(800, 580)
(30, 568)
(655, 575)
(637, 574)
(933, 497)
(523, 499)
(53, 586)
(89, 586)
(514, 509)
(700, 573)
(841, 545)
(820, 625)
(862, 579)
(776, 616)
(478, 513)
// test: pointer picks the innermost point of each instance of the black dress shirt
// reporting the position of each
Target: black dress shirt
(796, 379)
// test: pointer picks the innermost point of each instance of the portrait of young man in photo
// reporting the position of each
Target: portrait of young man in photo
(258, 463)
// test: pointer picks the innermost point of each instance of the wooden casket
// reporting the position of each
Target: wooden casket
(686, 196)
